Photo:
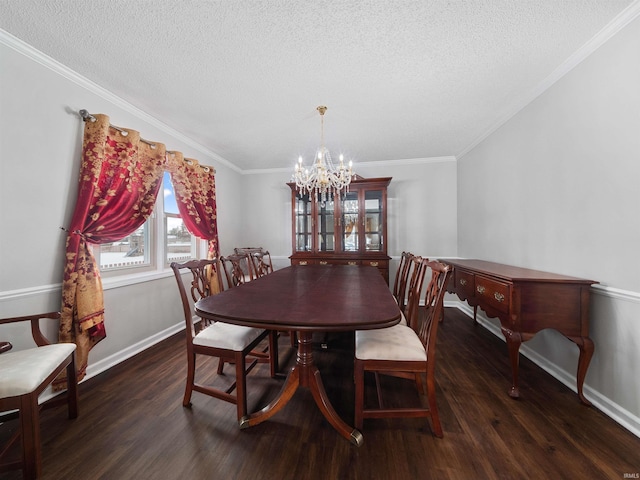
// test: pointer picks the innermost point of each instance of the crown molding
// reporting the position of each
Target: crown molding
(64, 71)
(382, 163)
(409, 161)
(614, 26)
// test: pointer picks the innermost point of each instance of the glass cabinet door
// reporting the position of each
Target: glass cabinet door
(348, 227)
(326, 226)
(303, 225)
(373, 220)
(349, 222)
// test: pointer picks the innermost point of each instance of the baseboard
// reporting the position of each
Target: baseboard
(114, 359)
(621, 415)
(100, 366)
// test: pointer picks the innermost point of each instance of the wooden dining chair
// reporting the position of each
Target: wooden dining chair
(24, 375)
(260, 259)
(237, 269)
(406, 269)
(414, 273)
(248, 250)
(402, 279)
(404, 349)
(261, 263)
(230, 343)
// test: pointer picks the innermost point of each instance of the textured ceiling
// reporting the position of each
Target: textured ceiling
(402, 79)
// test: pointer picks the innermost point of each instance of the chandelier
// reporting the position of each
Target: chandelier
(323, 177)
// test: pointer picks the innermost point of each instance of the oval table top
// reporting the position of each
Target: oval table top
(307, 298)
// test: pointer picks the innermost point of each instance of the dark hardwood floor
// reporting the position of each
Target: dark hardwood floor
(132, 424)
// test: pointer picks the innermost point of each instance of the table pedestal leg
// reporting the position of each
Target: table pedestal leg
(304, 374)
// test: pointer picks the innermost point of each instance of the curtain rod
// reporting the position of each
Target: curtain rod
(86, 116)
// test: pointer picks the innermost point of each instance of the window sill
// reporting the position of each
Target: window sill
(134, 278)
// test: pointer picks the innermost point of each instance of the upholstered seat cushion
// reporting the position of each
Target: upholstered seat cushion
(23, 371)
(227, 335)
(403, 319)
(393, 343)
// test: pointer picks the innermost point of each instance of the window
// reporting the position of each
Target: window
(131, 251)
(179, 244)
(139, 251)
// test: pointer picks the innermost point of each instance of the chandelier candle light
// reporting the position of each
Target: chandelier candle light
(323, 177)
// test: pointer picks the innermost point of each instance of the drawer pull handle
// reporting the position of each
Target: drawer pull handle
(323, 262)
(463, 282)
(373, 264)
(499, 297)
(480, 289)
(352, 263)
(303, 262)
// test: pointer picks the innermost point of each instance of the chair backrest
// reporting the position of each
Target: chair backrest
(402, 279)
(249, 250)
(204, 275)
(261, 262)
(415, 282)
(438, 275)
(238, 269)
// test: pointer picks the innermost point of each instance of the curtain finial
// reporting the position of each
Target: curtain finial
(86, 115)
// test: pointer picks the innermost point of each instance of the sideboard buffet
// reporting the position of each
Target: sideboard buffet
(527, 301)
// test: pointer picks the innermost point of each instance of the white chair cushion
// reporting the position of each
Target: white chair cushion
(227, 335)
(394, 343)
(24, 371)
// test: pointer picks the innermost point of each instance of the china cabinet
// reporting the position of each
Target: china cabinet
(349, 228)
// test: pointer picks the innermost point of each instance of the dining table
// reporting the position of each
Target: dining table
(307, 299)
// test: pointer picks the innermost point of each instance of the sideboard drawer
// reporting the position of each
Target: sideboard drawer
(494, 293)
(465, 282)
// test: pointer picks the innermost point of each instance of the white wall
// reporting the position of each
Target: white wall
(556, 188)
(422, 205)
(40, 145)
(421, 209)
(267, 218)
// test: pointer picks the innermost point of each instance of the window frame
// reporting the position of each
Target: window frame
(158, 264)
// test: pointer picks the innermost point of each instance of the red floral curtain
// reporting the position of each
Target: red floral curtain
(120, 177)
(195, 189)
